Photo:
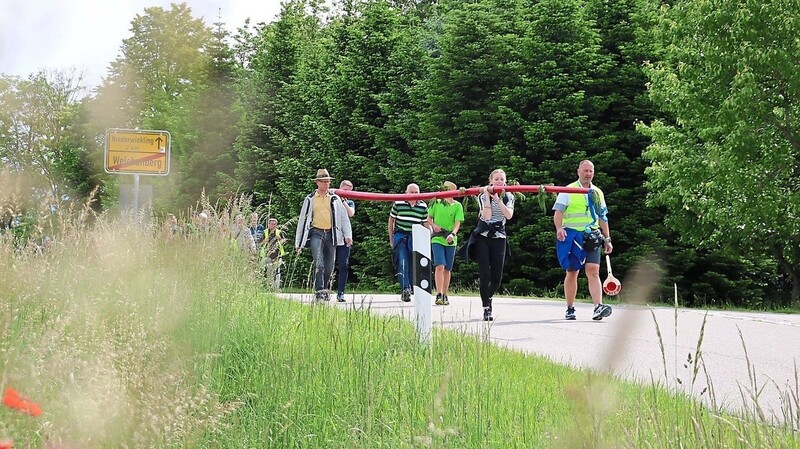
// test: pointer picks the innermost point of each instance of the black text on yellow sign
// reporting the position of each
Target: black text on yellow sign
(137, 152)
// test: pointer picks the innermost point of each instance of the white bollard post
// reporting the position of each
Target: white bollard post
(421, 277)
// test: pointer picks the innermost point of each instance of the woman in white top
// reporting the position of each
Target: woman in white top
(496, 207)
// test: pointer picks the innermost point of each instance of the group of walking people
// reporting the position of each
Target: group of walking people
(487, 243)
(263, 245)
(581, 227)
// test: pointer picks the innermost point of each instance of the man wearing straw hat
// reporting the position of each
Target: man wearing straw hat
(323, 224)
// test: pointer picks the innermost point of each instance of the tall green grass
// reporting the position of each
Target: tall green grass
(102, 331)
(127, 340)
(322, 377)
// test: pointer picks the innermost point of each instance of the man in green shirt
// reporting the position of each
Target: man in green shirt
(445, 218)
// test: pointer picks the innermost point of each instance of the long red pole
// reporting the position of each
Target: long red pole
(357, 195)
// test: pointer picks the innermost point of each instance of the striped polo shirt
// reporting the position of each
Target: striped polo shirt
(406, 215)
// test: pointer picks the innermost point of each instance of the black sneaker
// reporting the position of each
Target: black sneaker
(601, 311)
(406, 295)
(319, 296)
(570, 313)
(487, 314)
(445, 301)
(439, 300)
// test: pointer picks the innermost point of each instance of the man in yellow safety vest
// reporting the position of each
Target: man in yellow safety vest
(582, 228)
(272, 251)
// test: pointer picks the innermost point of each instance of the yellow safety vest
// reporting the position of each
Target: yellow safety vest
(278, 237)
(577, 215)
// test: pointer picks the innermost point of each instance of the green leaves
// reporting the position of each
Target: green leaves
(542, 197)
(729, 159)
(385, 93)
(42, 135)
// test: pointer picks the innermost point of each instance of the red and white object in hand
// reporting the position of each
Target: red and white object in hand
(612, 285)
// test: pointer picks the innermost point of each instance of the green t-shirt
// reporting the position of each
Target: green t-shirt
(445, 216)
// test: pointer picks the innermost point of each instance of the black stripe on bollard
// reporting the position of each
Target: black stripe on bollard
(422, 271)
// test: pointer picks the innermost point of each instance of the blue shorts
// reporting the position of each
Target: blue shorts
(443, 255)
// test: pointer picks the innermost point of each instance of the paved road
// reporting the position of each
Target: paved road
(627, 343)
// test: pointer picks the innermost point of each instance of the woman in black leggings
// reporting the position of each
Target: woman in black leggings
(496, 207)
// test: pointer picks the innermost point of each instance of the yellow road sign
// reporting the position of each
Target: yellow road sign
(130, 151)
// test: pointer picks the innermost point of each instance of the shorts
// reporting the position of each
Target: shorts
(592, 256)
(443, 255)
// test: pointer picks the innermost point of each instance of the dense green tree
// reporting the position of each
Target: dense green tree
(375, 65)
(478, 58)
(210, 159)
(173, 74)
(274, 106)
(163, 60)
(42, 122)
(726, 168)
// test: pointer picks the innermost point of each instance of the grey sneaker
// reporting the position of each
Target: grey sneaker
(340, 297)
(445, 301)
(570, 313)
(406, 295)
(601, 311)
(487, 314)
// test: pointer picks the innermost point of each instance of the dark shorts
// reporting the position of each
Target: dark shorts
(592, 256)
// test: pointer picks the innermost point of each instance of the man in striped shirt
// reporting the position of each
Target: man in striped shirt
(402, 217)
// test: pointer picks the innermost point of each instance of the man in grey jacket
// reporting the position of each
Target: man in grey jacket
(323, 224)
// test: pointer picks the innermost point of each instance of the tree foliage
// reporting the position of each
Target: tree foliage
(208, 160)
(175, 73)
(42, 134)
(726, 164)
(389, 92)
(277, 101)
(158, 64)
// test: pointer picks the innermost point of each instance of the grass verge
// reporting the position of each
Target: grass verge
(126, 340)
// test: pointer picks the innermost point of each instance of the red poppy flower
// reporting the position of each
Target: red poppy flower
(14, 400)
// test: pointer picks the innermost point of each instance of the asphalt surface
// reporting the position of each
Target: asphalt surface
(741, 354)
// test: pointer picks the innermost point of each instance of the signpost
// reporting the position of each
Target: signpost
(137, 152)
